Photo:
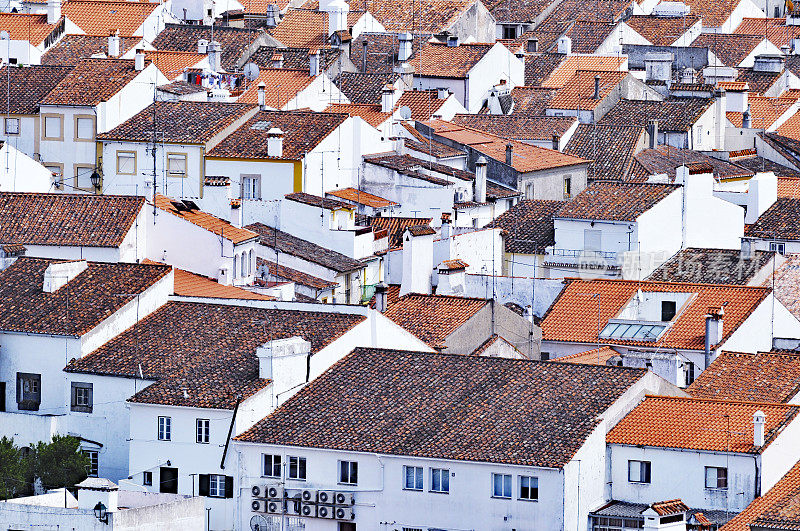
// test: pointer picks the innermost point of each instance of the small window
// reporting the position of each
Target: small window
(272, 466)
(147, 479)
(639, 471)
(81, 397)
(244, 268)
(216, 486)
(164, 428)
(12, 126)
(567, 187)
(84, 128)
(545, 356)
(777, 247)
(412, 477)
(501, 485)
(126, 162)
(348, 472)
(528, 488)
(83, 177)
(297, 468)
(716, 477)
(440, 480)
(53, 128)
(668, 310)
(689, 368)
(529, 191)
(203, 430)
(176, 164)
(509, 32)
(91, 469)
(592, 239)
(58, 175)
(29, 391)
(251, 187)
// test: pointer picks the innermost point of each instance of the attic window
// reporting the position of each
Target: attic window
(634, 330)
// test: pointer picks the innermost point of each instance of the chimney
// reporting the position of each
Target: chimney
(202, 46)
(748, 249)
(313, 63)
(533, 45)
(652, 129)
(387, 98)
(759, 419)
(262, 98)
(713, 332)
(236, 211)
(364, 51)
(747, 120)
(94, 491)
(214, 53)
(58, 274)
(285, 362)
(138, 60)
(9, 254)
(113, 44)
(452, 41)
(417, 259)
(596, 88)
(381, 297)
(565, 45)
(272, 19)
(275, 143)
(480, 179)
(510, 154)
(53, 11)
(442, 93)
(446, 230)
(337, 16)
(556, 142)
(405, 45)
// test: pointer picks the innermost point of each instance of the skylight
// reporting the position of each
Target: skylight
(634, 330)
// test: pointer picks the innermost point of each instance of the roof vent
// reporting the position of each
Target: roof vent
(58, 274)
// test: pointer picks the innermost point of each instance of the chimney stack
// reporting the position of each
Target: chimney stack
(381, 297)
(404, 51)
(442, 93)
(202, 46)
(759, 420)
(652, 130)
(262, 99)
(565, 45)
(556, 142)
(275, 143)
(113, 44)
(510, 154)
(446, 229)
(713, 332)
(214, 54)
(53, 11)
(337, 16)
(285, 362)
(272, 19)
(480, 179)
(364, 51)
(236, 211)
(747, 119)
(387, 98)
(58, 274)
(138, 60)
(313, 63)
(748, 249)
(596, 88)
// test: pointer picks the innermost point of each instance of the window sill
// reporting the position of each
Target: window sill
(639, 482)
(528, 500)
(439, 491)
(270, 477)
(296, 479)
(347, 484)
(501, 497)
(412, 490)
(202, 442)
(718, 489)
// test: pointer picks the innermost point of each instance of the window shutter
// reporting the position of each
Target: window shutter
(229, 486)
(203, 484)
(91, 399)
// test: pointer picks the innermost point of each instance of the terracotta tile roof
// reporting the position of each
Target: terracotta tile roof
(699, 424)
(92, 81)
(611, 148)
(407, 163)
(498, 191)
(730, 48)
(422, 16)
(317, 201)
(302, 132)
(775, 29)
(578, 93)
(437, 59)
(516, 11)
(70, 48)
(396, 227)
(67, 219)
(528, 226)
(99, 17)
(184, 37)
(545, 415)
(30, 85)
(173, 63)
(369, 113)
(282, 84)
(305, 250)
(787, 147)
(208, 350)
(27, 27)
(294, 57)
(92, 296)
(432, 318)
(762, 377)
(423, 104)
(757, 164)
(565, 72)
(181, 88)
(281, 272)
(615, 201)
(531, 101)
(517, 126)
(789, 187)
(359, 197)
(763, 112)
(734, 86)
(192, 285)
(362, 87)
(186, 122)
(567, 319)
(667, 507)
(787, 283)
(661, 31)
(674, 115)
(382, 50)
(665, 159)
(596, 356)
(206, 221)
(791, 127)
(713, 15)
(759, 82)
(539, 66)
(307, 28)
(568, 11)
(588, 35)
(780, 221)
(421, 144)
(776, 509)
(711, 266)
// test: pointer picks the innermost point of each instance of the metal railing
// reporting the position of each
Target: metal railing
(582, 253)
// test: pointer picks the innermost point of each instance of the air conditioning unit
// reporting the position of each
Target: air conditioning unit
(325, 496)
(324, 511)
(258, 506)
(256, 491)
(344, 513)
(275, 506)
(308, 509)
(274, 492)
(309, 495)
(344, 498)
(293, 506)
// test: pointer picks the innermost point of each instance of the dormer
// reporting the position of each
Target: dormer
(58, 274)
(646, 316)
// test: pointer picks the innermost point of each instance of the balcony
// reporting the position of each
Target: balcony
(585, 260)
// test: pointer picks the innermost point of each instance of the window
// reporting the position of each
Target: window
(529, 191)
(147, 479)
(235, 265)
(592, 239)
(639, 471)
(604, 523)
(272, 466)
(501, 485)
(168, 479)
(777, 247)
(215, 485)
(53, 127)
(412, 477)
(251, 187)
(83, 177)
(58, 174)
(545, 356)
(203, 430)
(668, 310)
(164, 428)
(716, 477)
(528, 488)
(12, 126)
(509, 32)
(126, 162)
(84, 128)
(689, 368)
(176, 164)
(244, 264)
(81, 397)
(440, 480)
(567, 187)
(348, 472)
(29, 391)
(297, 468)
(92, 455)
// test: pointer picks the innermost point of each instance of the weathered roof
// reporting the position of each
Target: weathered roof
(730, 48)
(354, 195)
(71, 48)
(317, 201)
(778, 508)
(280, 271)
(520, 127)
(531, 101)
(661, 31)
(281, 86)
(360, 87)
(595, 356)
(528, 225)
(780, 221)
(30, 84)
(27, 27)
(92, 81)
(518, 11)
(422, 16)
(711, 266)
(295, 58)
(437, 59)
(611, 148)
(308, 28)
(99, 17)
(423, 104)
(184, 37)
(382, 49)
(570, 66)
(666, 159)
(676, 114)
(578, 92)
(193, 285)
(432, 318)
(539, 66)
(206, 221)
(370, 113)
(616, 201)
(396, 226)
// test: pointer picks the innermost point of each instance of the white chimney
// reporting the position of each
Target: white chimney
(713, 332)
(113, 44)
(313, 63)
(214, 54)
(404, 50)
(762, 192)
(337, 16)
(480, 180)
(387, 98)
(565, 45)
(58, 274)
(94, 491)
(202, 46)
(275, 142)
(285, 362)
(381, 297)
(53, 11)
(748, 249)
(236, 213)
(747, 118)
(138, 60)
(417, 259)
(446, 228)
(262, 98)
(759, 419)
(442, 93)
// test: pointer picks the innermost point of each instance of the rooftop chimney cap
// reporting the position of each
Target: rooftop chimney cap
(482, 160)
(275, 131)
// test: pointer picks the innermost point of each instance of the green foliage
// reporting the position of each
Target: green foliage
(56, 464)
(12, 470)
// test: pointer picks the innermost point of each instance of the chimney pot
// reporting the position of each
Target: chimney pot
(509, 154)
(202, 46)
(138, 60)
(364, 51)
(53, 11)
(404, 51)
(759, 420)
(480, 180)
(381, 297)
(113, 44)
(652, 129)
(262, 100)
(596, 87)
(214, 56)
(275, 143)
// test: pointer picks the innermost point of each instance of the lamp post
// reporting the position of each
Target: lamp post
(96, 179)
(101, 513)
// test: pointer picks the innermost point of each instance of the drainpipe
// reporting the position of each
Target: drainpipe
(230, 431)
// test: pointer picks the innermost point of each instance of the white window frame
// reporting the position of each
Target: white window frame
(269, 464)
(164, 428)
(9, 121)
(778, 247)
(49, 117)
(715, 470)
(175, 172)
(506, 487)
(202, 431)
(94, 462)
(444, 480)
(636, 472)
(216, 486)
(532, 488)
(416, 475)
(85, 118)
(348, 469)
(299, 463)
(126, 155)
(251, 186)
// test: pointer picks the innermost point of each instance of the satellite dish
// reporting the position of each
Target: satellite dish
(251, 71)
(405, 112)
(258, 523)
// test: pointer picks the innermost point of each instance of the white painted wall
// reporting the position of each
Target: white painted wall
(19, 172)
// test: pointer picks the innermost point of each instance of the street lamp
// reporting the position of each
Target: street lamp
(101, 513)
(95, 179)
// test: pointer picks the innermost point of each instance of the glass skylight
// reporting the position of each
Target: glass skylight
(634, 330)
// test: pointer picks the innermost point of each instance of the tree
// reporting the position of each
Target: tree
(59, 463)
(12, 469)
